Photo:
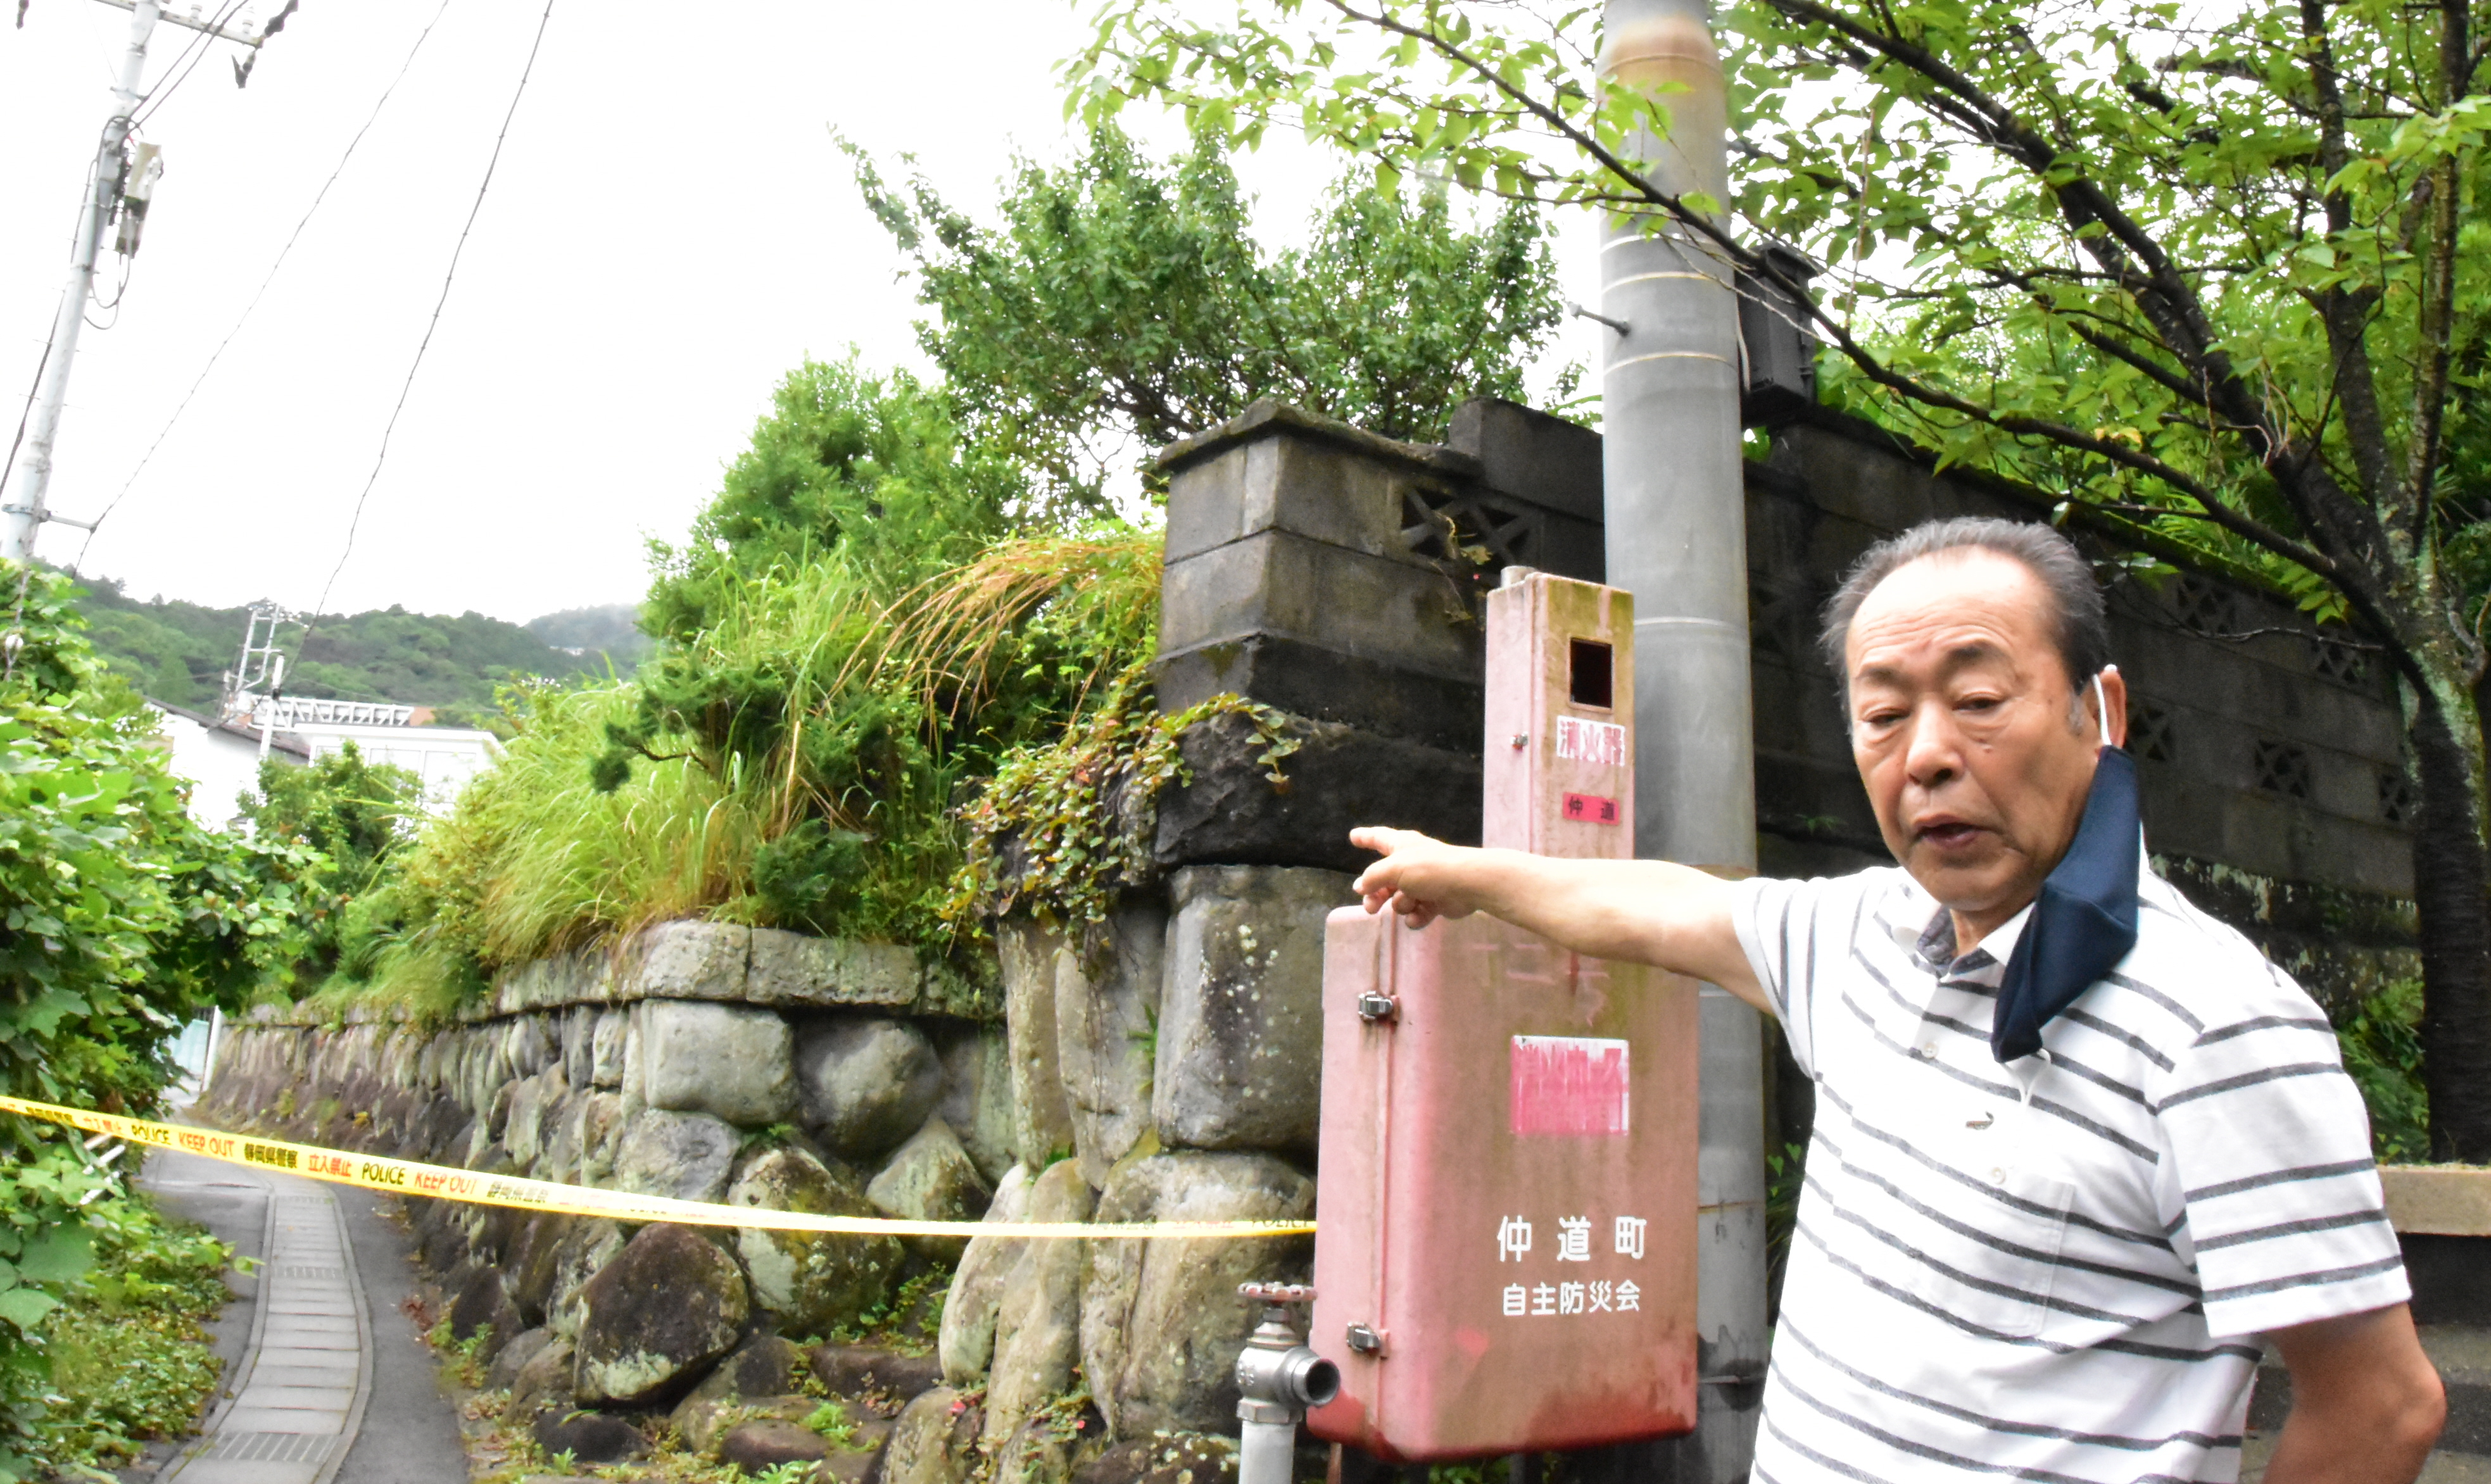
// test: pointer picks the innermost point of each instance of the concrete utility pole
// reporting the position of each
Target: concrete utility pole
(1675, 511)
(22, 516)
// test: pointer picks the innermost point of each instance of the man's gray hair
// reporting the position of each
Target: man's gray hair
(2080, 622)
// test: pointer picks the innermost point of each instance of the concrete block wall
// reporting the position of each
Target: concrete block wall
(2270, 755)
(1322, 570)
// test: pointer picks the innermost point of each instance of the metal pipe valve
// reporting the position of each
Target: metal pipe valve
(1277, 1379)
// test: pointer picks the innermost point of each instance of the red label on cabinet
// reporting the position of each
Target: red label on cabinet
(1568, 1085)
(1592, 808)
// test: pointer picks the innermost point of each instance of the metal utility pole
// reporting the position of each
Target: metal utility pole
(258, 674)
(1675, 511)
(25, 513)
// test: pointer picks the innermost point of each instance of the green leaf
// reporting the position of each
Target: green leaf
(59, 1255)
(26, 1307)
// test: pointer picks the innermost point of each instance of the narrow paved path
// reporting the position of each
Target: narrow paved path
(332, 1385)
(410, 1427)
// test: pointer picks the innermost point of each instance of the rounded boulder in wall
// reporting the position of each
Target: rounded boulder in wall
(658, 1317)
(1160, 1326)
(932, 1178)
(814, 1281)
(866, 1085)
(686, 1155)
(966, 1340)
(721, 1059)
(542, 1382)
(934, 1440)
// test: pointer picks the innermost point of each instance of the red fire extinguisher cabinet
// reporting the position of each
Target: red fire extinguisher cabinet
(1507, 1178)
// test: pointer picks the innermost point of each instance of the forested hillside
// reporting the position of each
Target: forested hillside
(611, 629)
(178, 651)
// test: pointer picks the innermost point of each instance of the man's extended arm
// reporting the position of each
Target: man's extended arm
(1647, 912)
(2367, 1404)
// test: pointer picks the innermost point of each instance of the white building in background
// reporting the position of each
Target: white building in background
(445, 758)
(221, 757)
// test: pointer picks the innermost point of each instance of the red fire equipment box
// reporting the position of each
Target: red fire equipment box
(1507, 1255)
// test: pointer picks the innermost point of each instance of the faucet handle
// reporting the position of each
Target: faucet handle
(1278, 1292)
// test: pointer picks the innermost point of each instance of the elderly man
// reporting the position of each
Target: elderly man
(2078, 1145)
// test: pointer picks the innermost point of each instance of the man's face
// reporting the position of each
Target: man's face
(1960, 725)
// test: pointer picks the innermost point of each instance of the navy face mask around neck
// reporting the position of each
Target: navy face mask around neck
(2083, 923)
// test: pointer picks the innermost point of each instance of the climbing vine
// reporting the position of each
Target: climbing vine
(1067, 827)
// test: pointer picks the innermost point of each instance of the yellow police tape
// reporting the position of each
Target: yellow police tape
(407, 1176)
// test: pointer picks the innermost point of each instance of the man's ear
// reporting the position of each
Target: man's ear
(2114, 699)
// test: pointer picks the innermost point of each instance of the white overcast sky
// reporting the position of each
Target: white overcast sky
(670, 229)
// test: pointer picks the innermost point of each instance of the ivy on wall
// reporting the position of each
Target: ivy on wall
(1066, 829)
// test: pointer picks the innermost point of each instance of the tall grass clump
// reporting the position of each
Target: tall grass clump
(858, 724)
(801, 761)
(535, 860)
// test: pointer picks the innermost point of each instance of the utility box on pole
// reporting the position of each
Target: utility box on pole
(1507, 1179)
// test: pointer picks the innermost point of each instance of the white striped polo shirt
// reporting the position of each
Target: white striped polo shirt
(2054, 1269)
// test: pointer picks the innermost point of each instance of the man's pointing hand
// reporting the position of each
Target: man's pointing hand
(1642, 911)
(1419, 877)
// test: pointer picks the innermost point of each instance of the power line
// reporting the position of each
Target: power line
(281, 253)
(26, 412)
(194, 53)
(355, 521)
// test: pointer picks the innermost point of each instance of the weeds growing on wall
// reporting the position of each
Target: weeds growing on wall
(1068, 826)
(2382, 1047)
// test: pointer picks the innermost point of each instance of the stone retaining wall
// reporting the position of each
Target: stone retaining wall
(1161, 1065)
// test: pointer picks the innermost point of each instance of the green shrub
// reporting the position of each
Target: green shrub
(128, 1356)
(869, 472)
(2381, 1046)
(355, 815)
(119, 919)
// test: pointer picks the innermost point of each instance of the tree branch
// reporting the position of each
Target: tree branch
(2345, 316)
(1870, 365)
(2438, 288)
